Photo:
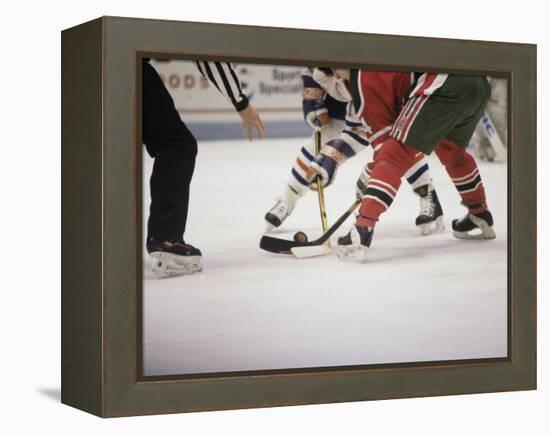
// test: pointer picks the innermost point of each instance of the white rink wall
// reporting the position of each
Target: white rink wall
(275, 90)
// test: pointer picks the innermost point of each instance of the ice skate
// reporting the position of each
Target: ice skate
(278, 214)
(174, 258)
(430, 217)
(474, 227)
(353, 246)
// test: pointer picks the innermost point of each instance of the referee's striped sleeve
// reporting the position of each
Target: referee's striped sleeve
(224, 77)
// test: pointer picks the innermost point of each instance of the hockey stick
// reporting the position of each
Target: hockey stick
(278, 245)
(492, 134)
(320, 191)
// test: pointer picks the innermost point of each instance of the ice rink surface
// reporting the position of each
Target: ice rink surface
(417, 299)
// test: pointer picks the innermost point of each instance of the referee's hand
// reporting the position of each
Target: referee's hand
(251, 120)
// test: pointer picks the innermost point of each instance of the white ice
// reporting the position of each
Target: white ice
(417, 299)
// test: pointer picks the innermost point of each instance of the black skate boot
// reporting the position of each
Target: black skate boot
(354, 245)
(430, 218)
(173, 258)
(474, 227)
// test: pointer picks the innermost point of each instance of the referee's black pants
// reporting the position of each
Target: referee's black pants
(174, 149)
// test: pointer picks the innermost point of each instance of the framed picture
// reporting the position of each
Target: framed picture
(316, 248)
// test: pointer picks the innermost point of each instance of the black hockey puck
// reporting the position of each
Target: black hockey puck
(300, 237)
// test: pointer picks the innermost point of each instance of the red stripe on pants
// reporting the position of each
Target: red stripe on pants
(390, 164)
(458, 162)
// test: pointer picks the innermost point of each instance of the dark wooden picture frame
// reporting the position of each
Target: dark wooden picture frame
(101, 196)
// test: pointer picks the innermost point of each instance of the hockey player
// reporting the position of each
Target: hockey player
(440, 113)
(496, 112)
(327, 106)
(169, 141)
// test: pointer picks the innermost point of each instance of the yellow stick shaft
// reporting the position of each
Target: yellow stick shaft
(320, 191)
(322, 208)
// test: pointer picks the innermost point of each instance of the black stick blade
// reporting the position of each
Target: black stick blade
(277, 245)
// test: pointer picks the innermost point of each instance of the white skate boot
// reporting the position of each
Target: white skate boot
(173, 258)
(278, 213)
(430, 217)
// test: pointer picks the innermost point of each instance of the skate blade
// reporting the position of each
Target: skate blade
(170, 265)
(352, 254)
(486, 232)
(438, 225)
(310, 251)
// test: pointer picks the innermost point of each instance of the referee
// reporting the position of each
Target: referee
(174, 149)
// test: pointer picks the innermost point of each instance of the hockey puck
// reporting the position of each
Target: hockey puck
(300, 237)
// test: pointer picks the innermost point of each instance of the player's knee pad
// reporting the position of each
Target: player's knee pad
(186, 149)
(397, 154)
(450, 154)
(191, 148)
(180, 156)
